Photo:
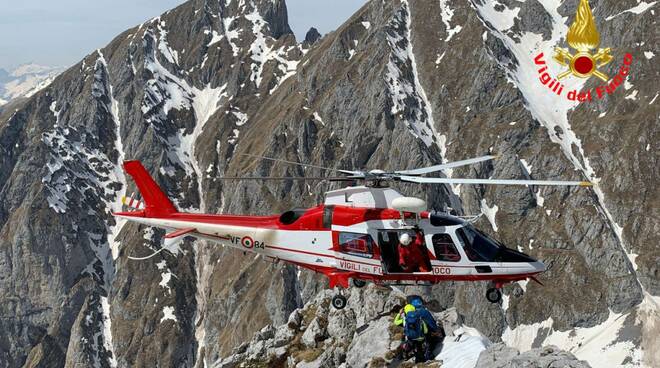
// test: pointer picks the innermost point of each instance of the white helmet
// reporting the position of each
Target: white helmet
(405, 239)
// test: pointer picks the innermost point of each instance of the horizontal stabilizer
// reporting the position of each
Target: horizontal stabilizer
(180, 232)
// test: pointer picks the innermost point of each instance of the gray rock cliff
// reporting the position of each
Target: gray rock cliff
(400, 84)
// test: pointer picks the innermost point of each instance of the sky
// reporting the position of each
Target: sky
(61, 32)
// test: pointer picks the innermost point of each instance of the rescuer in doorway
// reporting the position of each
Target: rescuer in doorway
(412, 253)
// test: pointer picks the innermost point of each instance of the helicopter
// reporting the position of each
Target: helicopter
(355, 235)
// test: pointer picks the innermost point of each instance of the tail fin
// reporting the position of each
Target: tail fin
(156, 202)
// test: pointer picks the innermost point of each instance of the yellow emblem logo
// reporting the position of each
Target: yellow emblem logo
(583, 37)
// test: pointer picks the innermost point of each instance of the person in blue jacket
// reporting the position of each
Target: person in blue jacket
(425, 314)
(434, 334)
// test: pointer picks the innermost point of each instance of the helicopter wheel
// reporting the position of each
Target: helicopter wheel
(339, 301)
(493, 295)
(359, 283)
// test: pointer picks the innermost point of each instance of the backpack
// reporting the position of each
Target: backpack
(413, 328)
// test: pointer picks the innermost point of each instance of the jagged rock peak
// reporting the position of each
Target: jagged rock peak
(312, 36)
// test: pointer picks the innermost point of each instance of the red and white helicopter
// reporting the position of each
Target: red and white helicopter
(354, 235)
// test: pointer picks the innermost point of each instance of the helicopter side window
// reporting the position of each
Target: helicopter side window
(360, 245)
(478, 247)
(445, 249)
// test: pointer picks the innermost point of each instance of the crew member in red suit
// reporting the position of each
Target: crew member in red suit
(412, 253)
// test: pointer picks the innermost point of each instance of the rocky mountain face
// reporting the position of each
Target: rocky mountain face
(400, 84)
(24, 81)
(363, 336)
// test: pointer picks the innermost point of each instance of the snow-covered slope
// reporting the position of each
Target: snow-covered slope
(605, 343)
(26, 80)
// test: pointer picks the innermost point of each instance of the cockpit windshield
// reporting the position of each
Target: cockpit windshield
(478, 246)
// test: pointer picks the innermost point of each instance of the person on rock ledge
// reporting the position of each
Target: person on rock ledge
(435, 334)
(422, 334)
(414, 330)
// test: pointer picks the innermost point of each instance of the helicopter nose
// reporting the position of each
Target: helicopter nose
(538, 266)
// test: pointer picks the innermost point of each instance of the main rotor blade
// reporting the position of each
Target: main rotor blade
(448, 165)
(311, 178)
(415, 179)
(303, 165)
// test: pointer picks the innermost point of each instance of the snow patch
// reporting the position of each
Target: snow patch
(447, 13)
(640, 8)
(502, 20)
(171, 55)
(351, 52)
(107, 331)
(490, 213)
(317, 117)
(439, 58)
(599, 345)
(627, 85)
(653, 99)
(165, 280)
(241, 117)
(539, 199)
(215, 38)
(259, 48)
(462, 351)
(231, 34)
(261, 53)
(528, 167)
(234, 137)
(168, 313)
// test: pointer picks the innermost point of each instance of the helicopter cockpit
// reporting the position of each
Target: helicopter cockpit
(446, 249)
(452, 246)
